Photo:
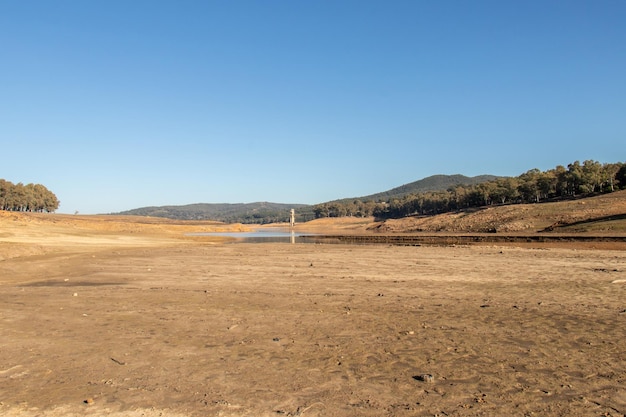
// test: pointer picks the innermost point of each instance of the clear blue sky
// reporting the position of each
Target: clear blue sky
(115, 105)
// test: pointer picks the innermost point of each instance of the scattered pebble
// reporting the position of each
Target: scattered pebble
(88, 401)
(424, 378)
(75, 294)
(276, 339)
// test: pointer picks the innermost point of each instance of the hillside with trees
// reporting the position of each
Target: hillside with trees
(533, 186)
(29, 197)
(246, 213)
(599, 215)
(432, 183)
(369, 205)
(433, 195)
(266, 213)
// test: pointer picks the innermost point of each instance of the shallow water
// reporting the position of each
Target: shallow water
(269, 236)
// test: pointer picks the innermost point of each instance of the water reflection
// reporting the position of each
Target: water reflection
(269, 236)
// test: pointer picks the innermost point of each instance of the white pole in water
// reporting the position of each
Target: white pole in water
(292, 218)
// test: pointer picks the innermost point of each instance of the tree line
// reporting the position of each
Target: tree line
(590, 177)
(29, 197)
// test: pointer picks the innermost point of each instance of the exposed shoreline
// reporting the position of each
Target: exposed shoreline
(127, 319)
(615, 242)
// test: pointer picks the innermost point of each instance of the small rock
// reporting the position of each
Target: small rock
(75, 294)
(424, 378)
(88, 401)
(276, 339)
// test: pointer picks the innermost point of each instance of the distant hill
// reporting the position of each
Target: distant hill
(432, 183)
(265, 212)
(247, 213)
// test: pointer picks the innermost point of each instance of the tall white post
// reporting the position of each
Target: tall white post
(292, 218)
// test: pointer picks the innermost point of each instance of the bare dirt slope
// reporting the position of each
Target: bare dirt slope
(601, 214)
(137, 319)
(36, 233)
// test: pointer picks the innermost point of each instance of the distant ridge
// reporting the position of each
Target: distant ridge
(254, 213)
(433, 183)
(266, 212)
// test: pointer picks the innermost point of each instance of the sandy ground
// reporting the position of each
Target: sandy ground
(137, 324)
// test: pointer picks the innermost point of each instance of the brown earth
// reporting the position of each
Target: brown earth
(605, 214)
(131, 317)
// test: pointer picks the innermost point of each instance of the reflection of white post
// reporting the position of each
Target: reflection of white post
(292, 218)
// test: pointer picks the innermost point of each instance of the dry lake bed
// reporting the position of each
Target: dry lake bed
(124, 325)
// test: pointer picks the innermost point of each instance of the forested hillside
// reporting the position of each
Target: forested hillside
(264, 213)
(366, 206)
(577, 179)
(248, 213)
(432, 195)
(29, 197)
(432, 183)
